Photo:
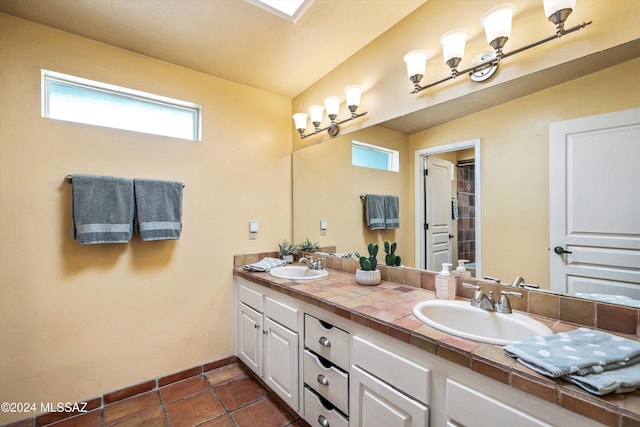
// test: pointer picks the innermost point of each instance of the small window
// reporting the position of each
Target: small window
(85, 101)
(375, 157)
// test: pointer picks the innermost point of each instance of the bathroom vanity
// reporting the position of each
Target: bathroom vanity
(336, 366)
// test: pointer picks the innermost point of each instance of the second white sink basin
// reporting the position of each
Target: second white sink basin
(461, 319)
(297, 272)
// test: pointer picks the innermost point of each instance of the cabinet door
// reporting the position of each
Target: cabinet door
(281, 361)
(249, 339)
(378, 404)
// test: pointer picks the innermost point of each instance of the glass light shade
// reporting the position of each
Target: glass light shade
(552, 6)
(300, 119)
(353, 94)
(453, 44)
(315, 112)
(332, 103)
(497, 22)
(416, 62)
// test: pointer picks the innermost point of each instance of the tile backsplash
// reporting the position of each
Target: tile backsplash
(593, 314)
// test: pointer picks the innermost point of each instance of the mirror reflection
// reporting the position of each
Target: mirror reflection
(515, 235)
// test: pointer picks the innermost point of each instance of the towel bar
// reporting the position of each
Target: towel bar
(69, 179)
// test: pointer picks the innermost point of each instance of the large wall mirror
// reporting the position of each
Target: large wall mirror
(515, 187)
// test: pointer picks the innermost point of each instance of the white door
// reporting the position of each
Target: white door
(438, 212)
(281, 361)
(379, 404)
(250, 337)
(594, 202)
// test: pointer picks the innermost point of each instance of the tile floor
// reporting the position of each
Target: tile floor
(229, 396)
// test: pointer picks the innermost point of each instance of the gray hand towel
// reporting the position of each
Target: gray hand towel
(391, 212)
(374, 211)
(103, 209)
(158, 209)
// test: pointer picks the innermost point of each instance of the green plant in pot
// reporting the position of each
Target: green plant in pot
(391, 259)
(368, 273)
(286, 250)
(308, 246)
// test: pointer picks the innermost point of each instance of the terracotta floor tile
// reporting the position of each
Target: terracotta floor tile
(264, 413)
(194, 410)
(90, 419)
(182, 389)
(238, 393)
(225, 374)
(130, 407)
(155, 418)
(223, 421)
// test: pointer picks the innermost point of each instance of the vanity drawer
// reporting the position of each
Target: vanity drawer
(250, 297)
(285, 315)
(329, 382)
(319, 415)
(328, 341)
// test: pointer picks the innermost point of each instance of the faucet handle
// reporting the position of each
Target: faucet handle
(504, 306)
(470, 286)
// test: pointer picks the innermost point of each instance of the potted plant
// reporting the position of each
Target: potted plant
(391, 259)
(368, 274)
(307, 246)
(287, 250)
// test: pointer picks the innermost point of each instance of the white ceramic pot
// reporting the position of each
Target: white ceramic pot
(288, 258)
(368, 278)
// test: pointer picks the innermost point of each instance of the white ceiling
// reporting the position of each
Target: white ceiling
(231, 39)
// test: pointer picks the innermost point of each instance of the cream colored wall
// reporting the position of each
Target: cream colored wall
(77, 321)
(514, 161)
(327, 186)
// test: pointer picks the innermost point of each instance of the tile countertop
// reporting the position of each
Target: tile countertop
(387, 308)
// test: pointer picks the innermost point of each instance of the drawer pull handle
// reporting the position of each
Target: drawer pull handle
(322, 379)
(323, 421)
(324, 341)
(256, 326)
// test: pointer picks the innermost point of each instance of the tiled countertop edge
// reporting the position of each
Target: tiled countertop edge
(485, 359)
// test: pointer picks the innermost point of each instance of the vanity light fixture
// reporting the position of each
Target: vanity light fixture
(332, 105)
(497, 26)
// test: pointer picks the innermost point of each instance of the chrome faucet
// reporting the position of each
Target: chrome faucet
(313, 265)
(518, 282)
(481, 299)
(504, 306)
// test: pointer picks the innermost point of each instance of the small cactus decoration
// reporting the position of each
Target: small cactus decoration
(369, 263)
(391, 258)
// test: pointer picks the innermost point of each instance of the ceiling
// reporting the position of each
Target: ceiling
(231, 39)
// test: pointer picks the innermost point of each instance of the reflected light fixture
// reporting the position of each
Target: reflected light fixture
(497, 27)
(332, 106)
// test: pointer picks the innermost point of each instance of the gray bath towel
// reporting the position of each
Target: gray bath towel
(374, 211)
(391, 212)
(158, 209)
(103, 209)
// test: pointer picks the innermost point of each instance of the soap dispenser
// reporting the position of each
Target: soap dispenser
(445, 283)
(461, 271)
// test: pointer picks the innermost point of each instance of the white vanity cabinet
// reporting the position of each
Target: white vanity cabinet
(386, 388)
(326, 373)
(267, 340)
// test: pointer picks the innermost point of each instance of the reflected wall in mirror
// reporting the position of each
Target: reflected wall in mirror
(515, 174)
(327, 186)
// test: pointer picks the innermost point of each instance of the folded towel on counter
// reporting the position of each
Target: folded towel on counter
(158, 209)
(265, 264)
(579, 352)
(621, 380)
(391, 212)
(103, 209)
(374, 211)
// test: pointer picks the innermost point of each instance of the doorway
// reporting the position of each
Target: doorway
(463, 238)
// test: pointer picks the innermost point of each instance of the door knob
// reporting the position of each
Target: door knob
(560, 250)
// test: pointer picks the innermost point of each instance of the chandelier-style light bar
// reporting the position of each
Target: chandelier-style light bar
(332, 105)
(497, 26)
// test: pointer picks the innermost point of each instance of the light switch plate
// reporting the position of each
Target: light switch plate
(253, 230)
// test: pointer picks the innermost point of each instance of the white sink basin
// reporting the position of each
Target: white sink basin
(297, 272)
(461, 319)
